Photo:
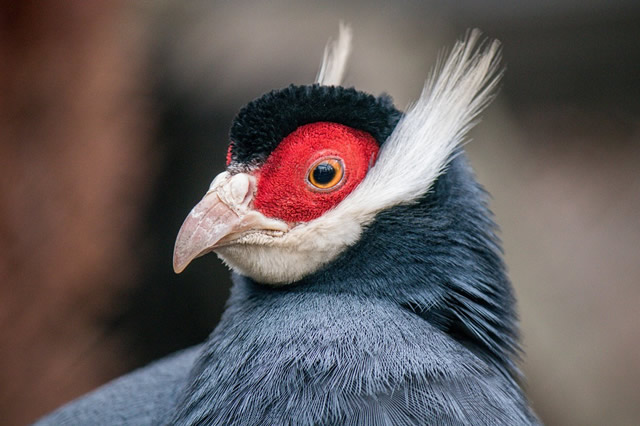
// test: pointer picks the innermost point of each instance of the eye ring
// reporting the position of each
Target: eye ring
(326, 174)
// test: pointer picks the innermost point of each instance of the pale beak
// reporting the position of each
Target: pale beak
(220, 218)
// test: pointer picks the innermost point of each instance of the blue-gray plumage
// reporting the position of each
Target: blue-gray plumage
(355, 344)
(408, 320)
(144, 397)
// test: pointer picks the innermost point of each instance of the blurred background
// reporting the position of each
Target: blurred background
(114, 118)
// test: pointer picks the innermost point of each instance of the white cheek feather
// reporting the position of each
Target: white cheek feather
(280, 260)
(408, 163)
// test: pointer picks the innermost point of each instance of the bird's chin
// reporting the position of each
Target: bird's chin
(271, 264)
(280, 258)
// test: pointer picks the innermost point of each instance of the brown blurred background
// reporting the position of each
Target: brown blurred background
(114, 119)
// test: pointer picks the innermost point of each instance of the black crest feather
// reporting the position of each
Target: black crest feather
(265, 121)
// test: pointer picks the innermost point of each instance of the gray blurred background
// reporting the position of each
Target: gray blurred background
(114, 119)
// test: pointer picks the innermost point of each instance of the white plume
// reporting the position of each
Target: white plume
(420, 146)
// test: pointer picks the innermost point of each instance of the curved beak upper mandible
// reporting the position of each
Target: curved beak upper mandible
(221, 217)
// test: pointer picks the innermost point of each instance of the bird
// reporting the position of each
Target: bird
(369, 286)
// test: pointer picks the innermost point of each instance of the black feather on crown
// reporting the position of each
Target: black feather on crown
(264, 122)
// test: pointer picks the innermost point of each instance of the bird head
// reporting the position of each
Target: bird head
(280, 210)
(332, 188)
(310, 167)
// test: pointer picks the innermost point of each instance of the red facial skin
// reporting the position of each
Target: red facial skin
(284, 191)
(229, 155)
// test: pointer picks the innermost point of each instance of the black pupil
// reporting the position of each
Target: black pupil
(324, 173)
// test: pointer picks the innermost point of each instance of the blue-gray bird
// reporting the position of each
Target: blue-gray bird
(369, 287)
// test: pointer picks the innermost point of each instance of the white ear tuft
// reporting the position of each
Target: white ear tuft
(336, 55)
(421, 145)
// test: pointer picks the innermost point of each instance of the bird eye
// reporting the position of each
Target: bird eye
(326, 174)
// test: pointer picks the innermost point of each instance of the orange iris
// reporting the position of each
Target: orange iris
(326, 173)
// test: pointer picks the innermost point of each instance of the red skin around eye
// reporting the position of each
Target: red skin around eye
(229, 155)
(283, 190)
